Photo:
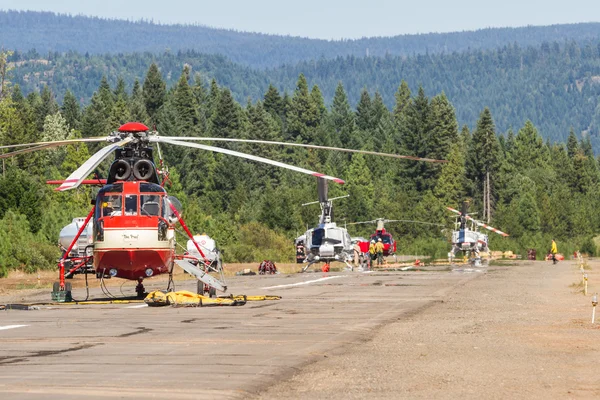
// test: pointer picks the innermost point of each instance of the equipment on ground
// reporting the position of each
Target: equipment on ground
(467, 238)
(267, 267)
(81, 250)
(211, 259)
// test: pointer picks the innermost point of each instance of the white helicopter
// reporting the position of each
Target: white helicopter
(467, 238)
(326, 242)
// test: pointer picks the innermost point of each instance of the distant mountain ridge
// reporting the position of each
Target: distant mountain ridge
(51, 32)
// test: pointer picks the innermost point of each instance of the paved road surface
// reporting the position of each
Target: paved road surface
(133, 351)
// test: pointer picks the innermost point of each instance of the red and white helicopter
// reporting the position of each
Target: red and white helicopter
(133, 217)
(389, 243)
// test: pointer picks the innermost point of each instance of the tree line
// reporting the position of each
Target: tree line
(537, 189)
(554, 85)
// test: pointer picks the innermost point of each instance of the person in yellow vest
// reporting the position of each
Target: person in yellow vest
(554, 250)
(372, 252)
(379, 251)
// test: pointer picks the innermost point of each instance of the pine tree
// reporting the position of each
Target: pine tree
(450, 188)
(416, 139)
(96, 120)
(444, 127)
(572, 144)
(186, 106)
(529, 149)
(213, 96)
(364, 117)
(403, 99)
(485, 160)
(137, 108)
(360, 188)
(342, 118)
(154, 91)
(120, 112)
(46, 106)
(273, 103)
(317, 99)
(71, 111)
(303, 115)
(226, 120)
(120, 90)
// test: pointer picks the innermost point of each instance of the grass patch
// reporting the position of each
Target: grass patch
(22, 286)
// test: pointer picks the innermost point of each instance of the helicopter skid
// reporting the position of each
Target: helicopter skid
(133, 263)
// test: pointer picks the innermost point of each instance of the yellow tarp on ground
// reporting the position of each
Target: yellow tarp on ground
(183, 298)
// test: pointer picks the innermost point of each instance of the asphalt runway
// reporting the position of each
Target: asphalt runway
(135, 351)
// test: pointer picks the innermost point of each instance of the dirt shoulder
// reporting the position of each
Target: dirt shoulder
(522, 331)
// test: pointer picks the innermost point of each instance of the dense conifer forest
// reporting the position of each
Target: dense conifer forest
(539, 189)
(49, 32)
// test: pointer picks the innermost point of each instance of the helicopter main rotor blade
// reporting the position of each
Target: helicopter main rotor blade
(309, 146)
(27, 150)
(75, 179)
(490, 228)
(479, 223)
(55, 143)
(362, 222)
(164, 139)
(453, 210)
(412, 222)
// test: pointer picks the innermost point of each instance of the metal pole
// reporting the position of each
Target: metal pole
(488, 197)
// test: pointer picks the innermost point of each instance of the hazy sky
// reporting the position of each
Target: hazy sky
(332, 18)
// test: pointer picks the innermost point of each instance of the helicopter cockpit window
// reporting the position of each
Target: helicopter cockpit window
(150, 204)
(111, 205)
(151, 187)
(317, 237)
(131, 204)
(386, 239)
(114, 188)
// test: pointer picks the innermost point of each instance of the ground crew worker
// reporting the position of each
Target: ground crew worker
(379, 251)
(356, 253)
(554, 250)
(372, 252)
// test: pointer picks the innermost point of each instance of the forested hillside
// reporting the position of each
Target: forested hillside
(538, 190)
(49, 32)
(555, 85)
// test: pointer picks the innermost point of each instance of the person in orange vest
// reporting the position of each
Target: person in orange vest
(379, 251)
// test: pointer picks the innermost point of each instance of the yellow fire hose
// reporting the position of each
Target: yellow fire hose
(184, 298)
(178, 299)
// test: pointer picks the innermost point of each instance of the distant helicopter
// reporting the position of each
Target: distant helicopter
(389, 244)
(326, 242)
(467, 238)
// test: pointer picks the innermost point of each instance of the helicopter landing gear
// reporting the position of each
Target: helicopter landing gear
(349, 266)
(202, 288)
(307, 265)
(139, 289)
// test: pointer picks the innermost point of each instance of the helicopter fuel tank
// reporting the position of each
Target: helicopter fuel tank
(68, 233)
